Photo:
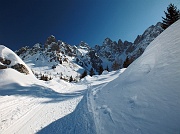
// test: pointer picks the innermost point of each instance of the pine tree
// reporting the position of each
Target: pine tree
(172, 15)
(107, 68)
(100, 69)
(84, 74)
(91, 72)
(115, 65)
(127, 62)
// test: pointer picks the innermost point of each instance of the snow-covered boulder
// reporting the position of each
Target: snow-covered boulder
(9, 59)
(8, 55)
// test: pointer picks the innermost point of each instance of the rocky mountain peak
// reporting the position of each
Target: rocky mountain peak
(107, 42)
(51, 39)
(37, 45)
(83, 45)
(110, 54)
(138, 39)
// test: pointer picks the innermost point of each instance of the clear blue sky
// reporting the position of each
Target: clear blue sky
(26, 22)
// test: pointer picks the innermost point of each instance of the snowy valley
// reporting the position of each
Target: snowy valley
(142, 99)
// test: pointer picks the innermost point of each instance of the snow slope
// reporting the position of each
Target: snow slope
(81, 120)
(146, 97)
(28, 104)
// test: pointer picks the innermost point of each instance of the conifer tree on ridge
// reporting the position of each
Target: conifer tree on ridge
(172, 15)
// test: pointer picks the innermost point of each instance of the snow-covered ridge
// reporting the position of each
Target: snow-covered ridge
(111, 54)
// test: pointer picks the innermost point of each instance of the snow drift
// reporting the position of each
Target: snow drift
(146, 97)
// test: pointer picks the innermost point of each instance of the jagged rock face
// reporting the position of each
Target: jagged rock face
(109, 49)
(83, 45)
(107, 54)
(50, 40)
(66, 49)
(142, 41)
(112, 50)
(51, 44)
(95, 60)
(20, 68)
(54, 47)
(121, 45)
(118, 51)
(22, 50)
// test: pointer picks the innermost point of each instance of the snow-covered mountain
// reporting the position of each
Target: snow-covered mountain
(53, 60)
(112, 51)
(60, 59)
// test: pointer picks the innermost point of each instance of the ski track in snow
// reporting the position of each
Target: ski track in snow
(93, 90)
(24, 114)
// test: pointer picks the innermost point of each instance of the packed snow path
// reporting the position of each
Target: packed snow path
(30, 114)
(81, 120)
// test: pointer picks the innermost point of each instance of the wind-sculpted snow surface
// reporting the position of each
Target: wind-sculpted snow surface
(145, 99)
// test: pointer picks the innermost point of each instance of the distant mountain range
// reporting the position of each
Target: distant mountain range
(58, 59)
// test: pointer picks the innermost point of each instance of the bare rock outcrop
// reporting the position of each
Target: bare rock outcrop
(5, 61)
(20, 68)
(3, 66)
